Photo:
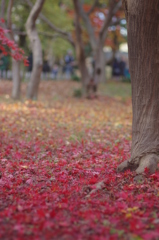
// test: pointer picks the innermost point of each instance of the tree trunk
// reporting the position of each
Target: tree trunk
(143, 35)
(80, 54)
(32, 91)
(32, 33)
(85, 78)
(100, 61)
(16, 79)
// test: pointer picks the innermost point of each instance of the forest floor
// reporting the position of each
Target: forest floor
(53, 154)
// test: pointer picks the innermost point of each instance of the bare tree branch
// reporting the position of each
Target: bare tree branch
(88, 25)
(34, 13)
(50, 35)
(113, 8)
(93, 7)
(65, 34)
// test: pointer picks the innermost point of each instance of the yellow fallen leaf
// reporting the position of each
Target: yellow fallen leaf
(24, 166)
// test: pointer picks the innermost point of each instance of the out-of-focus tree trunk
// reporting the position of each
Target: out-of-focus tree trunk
(16, 79)
(80, 54)
(32, 33)
(97, 43)
(100, 62)
(143, 25)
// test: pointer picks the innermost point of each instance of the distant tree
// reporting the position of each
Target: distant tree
(143, 34)
(15, 61)
(80, 53)
(8, 46)
(97, 41)
(36, 47)
(76, 43)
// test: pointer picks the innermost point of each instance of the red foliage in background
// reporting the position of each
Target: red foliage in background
(97, 18)
(9, 47)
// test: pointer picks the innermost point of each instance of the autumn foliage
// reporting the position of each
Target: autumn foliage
(9, 47)
(54, 153)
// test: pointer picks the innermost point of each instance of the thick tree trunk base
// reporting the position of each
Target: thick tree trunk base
(148, 162)
(92, 89)
(142, 24)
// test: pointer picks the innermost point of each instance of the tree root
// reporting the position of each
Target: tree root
(148, 161)
(98, 186)
(127, 165)
(139, 178)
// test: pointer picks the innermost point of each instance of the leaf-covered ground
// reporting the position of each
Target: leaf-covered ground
(53, 153)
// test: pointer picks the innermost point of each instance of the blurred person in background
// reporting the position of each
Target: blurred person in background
(69, 64)
(122, 65)
(55, 71)
(46, 68)
(116, 71)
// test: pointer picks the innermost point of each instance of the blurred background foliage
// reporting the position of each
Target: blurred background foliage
(61, 14)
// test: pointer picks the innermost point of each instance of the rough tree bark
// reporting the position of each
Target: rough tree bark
(143, 34)
(97, 42)
(32, 33)
(80, 54)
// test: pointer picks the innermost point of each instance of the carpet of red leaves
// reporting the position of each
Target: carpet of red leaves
(52, 154)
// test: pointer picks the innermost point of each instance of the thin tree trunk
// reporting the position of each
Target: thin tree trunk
(85, 78)
(80, 54)
(143, 35)
(100, 61)
(16, 79)
(32, 33)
